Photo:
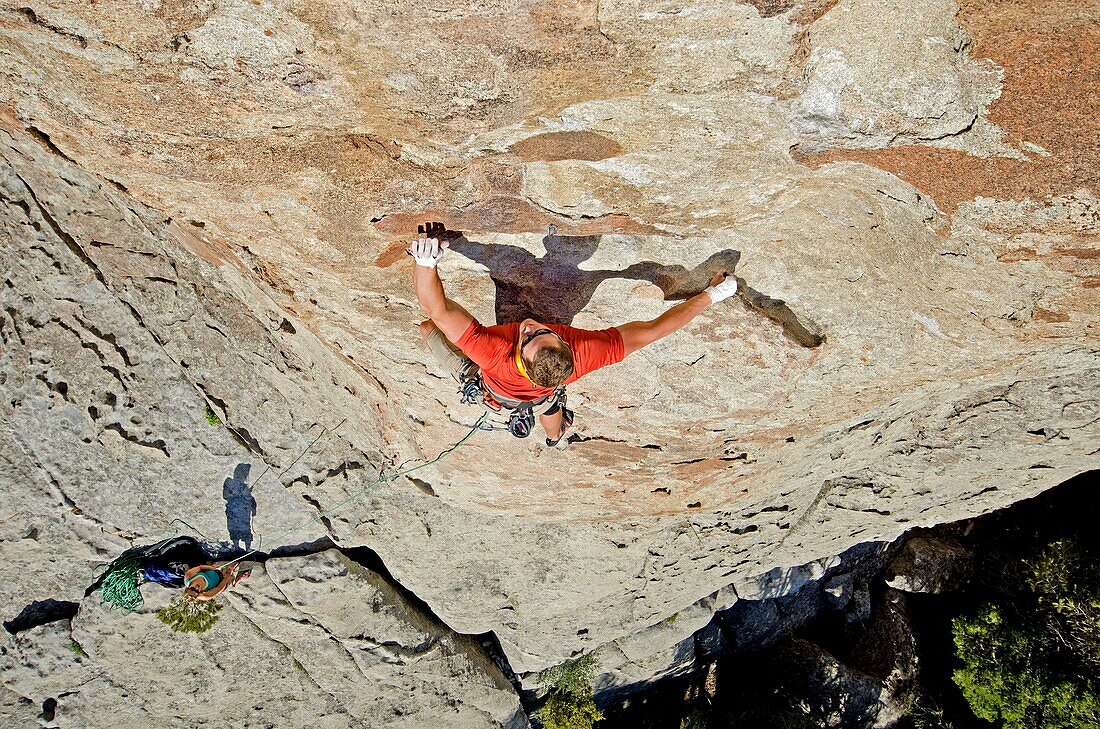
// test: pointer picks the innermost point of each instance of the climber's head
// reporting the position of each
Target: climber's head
(543, 355)
(570, 249)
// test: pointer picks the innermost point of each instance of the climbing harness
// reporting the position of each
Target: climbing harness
(118, 580)
(521, 414)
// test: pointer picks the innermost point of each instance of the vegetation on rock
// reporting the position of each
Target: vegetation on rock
(186, 615)
(570, 704)
(1030, 656)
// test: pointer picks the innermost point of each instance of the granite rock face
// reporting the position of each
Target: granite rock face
(202, 208)
(873, 683)
(920, 85)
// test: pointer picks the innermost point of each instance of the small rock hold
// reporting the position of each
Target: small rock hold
(838, 590)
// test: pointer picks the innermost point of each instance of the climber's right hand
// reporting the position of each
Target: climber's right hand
(722, 286)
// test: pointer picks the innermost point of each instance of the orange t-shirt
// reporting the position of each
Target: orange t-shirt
(494, 350)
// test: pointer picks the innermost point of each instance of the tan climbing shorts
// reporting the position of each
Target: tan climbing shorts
(446, 354)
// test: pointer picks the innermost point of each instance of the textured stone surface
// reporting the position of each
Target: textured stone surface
(1049, 53)
(872, 684)
(308, 641)
(203, 206)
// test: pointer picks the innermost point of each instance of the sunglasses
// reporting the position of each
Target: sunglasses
(537, 333)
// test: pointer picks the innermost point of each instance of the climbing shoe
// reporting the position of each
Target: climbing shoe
(562, 441)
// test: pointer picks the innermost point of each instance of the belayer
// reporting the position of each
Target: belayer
(521, 369)
(205, 581)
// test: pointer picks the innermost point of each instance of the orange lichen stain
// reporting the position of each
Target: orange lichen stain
(696, 470)
(554, 146)
(1087, 253)
(194, 244)
(8, 120)
(391, 255)
(1050, 53)
(807, 13)
(1091, 283)
(1048, 315)
(1021, 254)
(754, 360)
(367, 147)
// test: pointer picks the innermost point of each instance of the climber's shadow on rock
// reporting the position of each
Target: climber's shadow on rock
(240, 506)
(553, 288)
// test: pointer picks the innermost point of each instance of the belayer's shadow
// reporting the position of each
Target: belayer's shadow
(240, 506)
(553, 288)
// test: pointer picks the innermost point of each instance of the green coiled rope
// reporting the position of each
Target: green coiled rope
(119, 588)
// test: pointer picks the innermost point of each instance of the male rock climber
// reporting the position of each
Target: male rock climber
(525, 366)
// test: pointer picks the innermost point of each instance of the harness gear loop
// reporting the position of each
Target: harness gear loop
(472, 391)
(521, 414)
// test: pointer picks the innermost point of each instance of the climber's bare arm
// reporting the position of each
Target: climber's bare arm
(451, 318)
(638, 334)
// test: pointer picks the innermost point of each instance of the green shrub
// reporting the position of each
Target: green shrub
(569, 711)
(1067, 589)
(1029, 658)
(570, 704)
(186, 615)
(212, 417)
(695, 719)
(924, 712)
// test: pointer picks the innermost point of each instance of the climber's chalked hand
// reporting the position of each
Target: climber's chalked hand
(722, 286)
(427, 250)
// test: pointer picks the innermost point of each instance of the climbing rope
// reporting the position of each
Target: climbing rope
(119, 580)
(324, 431)
(479, 425)
(119, 587)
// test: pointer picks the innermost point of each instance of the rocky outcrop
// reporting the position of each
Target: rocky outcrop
(202, 210)
(930, 565)
(921, 86)
(873, 683)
